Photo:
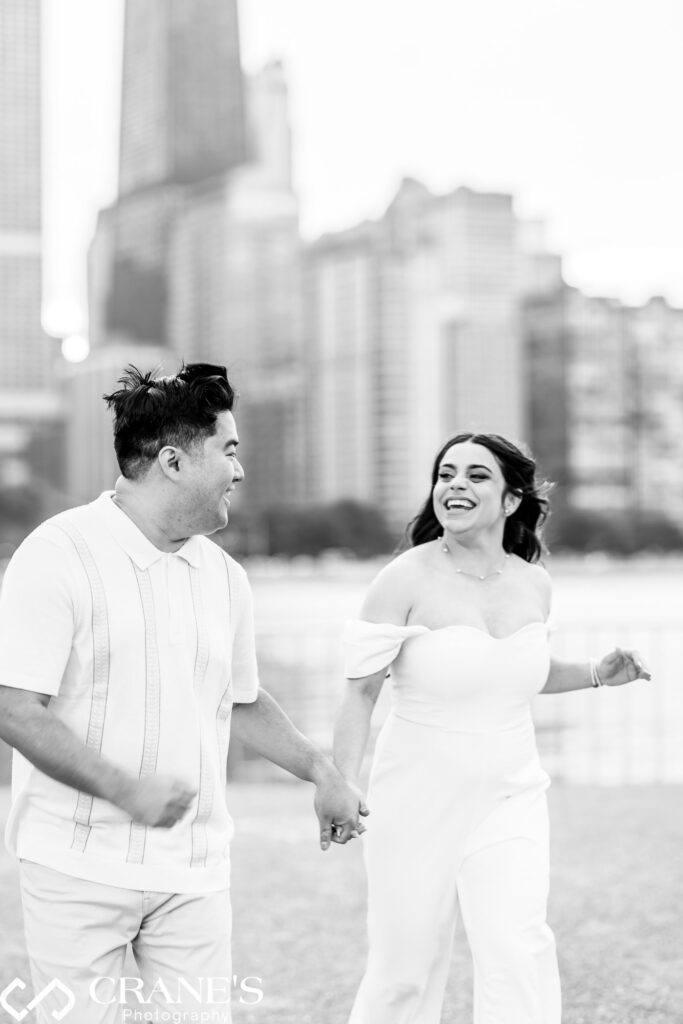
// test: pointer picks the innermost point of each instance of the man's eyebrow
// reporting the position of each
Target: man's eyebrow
(230, 444)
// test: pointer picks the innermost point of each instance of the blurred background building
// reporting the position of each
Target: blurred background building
(31, 420)
(413, 334)
(200, 257)
(605, 409)
(355, 355)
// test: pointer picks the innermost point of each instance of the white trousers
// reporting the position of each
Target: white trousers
(435, 847)
(78, 932)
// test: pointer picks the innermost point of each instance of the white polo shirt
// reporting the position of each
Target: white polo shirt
(143, 653)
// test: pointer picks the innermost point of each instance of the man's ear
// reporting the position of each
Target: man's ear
(169, 459)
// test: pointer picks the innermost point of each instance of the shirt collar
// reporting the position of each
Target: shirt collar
(133, 540)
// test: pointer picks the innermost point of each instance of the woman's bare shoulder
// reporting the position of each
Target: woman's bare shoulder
(392, 592)
(538, 577)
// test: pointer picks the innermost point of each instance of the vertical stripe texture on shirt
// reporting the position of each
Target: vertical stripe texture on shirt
(100, 675)
(205, 795)
(225, 704)
(150, 745)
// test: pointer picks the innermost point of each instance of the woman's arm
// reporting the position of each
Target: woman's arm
(387, 601)
(265, 728)
(353, 724)
(615, 669)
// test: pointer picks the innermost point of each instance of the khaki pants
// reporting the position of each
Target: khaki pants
(78, 932)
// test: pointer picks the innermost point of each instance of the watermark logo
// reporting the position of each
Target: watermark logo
(106, 991)
(20, 1014)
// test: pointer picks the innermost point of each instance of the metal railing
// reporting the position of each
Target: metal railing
(613, 736)
(629, 735)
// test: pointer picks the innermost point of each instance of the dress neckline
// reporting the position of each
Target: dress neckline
(474, 629)
(484, 632)
(416, 628)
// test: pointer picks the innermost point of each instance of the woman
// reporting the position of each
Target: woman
(457, 794)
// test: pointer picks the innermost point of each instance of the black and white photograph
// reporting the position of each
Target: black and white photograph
(341, 512)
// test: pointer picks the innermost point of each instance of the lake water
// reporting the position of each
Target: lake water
(593, 589)
(628, 734)
(612, 736)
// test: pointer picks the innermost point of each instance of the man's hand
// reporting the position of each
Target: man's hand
(338, 807)
(621, 667)
(157, 800)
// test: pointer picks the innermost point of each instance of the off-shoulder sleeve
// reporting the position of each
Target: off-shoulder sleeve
(371, 646)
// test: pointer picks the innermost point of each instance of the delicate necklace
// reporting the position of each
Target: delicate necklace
(474, 575)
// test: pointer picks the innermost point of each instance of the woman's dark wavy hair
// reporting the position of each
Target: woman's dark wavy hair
(151, 412)
(523, 529)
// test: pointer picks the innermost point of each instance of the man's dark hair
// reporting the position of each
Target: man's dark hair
(150, 412)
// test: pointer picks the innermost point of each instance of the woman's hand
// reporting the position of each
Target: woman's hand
(338, 805)
(621, 667)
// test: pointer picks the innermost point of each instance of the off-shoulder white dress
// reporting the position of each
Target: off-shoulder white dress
(458, 819)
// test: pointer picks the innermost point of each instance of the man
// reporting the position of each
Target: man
(126, 658)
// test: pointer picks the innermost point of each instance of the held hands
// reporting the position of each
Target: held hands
(621, 667)
(338, 806)
(157, 800)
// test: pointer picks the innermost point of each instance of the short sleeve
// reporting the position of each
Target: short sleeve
(245, 680)
(36, 617)
(372, 646)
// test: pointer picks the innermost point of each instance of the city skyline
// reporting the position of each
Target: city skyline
(30, 408)
(201, 257)
(594, 152)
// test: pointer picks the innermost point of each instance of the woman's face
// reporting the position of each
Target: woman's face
(470, 491)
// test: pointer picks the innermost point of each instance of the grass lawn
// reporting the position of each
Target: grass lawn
(616, 900)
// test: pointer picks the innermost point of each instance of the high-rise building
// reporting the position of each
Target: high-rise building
(656, 338)
(235, 297)
(540, 269)
(580, 390)
(182, 116)
(268, 128)
(182, 125)
(201, 254)
(29, 409)
(605, 386)
(413, 335)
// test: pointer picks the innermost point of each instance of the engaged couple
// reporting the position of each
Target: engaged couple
(127, 660)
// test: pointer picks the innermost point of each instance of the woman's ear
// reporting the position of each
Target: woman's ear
(511, 503)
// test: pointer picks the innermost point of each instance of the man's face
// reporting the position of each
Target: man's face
(211, 471)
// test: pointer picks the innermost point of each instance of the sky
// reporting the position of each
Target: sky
(571, 105)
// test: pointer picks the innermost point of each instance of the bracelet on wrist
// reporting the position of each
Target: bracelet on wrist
(596, 681)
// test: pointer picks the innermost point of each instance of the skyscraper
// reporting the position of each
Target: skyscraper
(182, 116)
(29, 408)
(182, 125)
(606, 401)
(235, 295)
(656, 336)
(201, 255)
(413, 335)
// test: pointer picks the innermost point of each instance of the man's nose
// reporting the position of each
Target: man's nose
(239, 472)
